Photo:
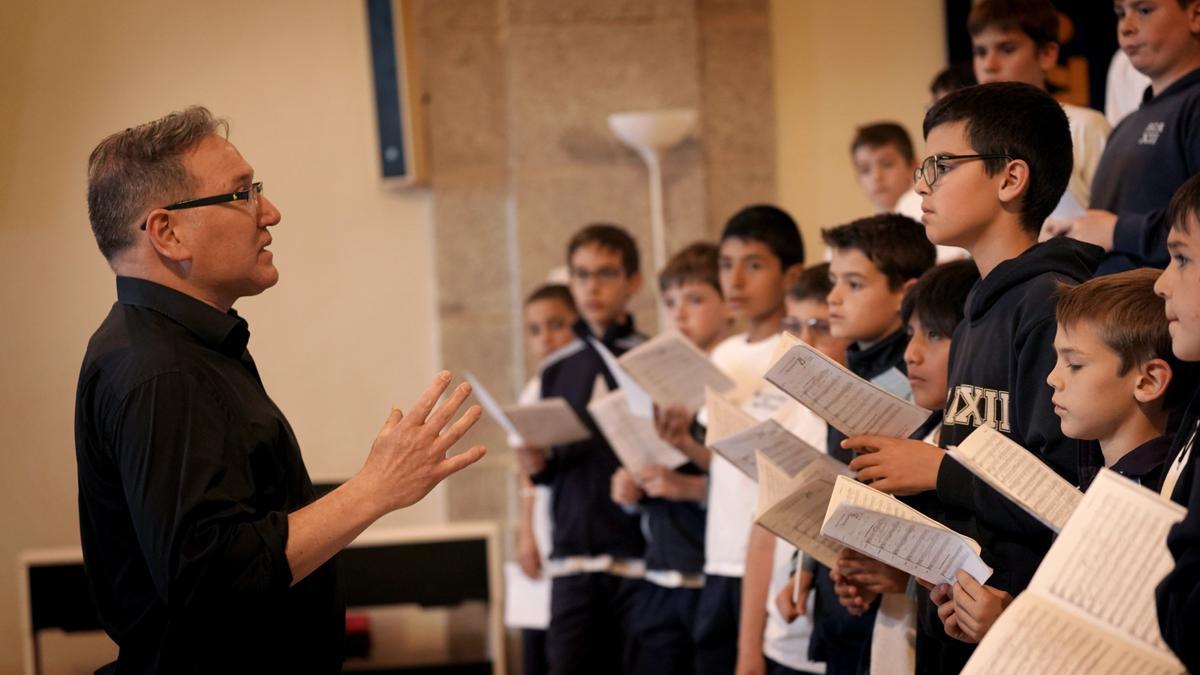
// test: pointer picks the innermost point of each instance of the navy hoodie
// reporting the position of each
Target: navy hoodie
(1148, 156)
(1000, 356)
(587, 522)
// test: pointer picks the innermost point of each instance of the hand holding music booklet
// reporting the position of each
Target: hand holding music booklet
(792, 506)
(1017, 474)
(633, 439)
(672, 370)
(847, 402)
(543, 423)
(1090, 607)
(883, 527)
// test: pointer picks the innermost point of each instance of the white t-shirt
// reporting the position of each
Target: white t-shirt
(1089, 134)
(787, 643)
(732, 496)
(1125, 89)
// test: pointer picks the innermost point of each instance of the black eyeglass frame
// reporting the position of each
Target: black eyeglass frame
(920, 173)
(239, 196)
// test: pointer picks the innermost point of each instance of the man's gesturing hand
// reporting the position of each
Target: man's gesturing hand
(408, 458)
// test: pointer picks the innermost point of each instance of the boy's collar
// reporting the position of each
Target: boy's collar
(1145, 458)
(614, 331)
(1182, 83)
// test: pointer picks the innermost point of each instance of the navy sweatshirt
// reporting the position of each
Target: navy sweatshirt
(1147, 157)
(586, 520)
(1178, 595)
(1000, 356)
(675, 531)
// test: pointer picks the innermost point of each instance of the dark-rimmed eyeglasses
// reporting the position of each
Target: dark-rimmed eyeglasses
(929, 167)
(796, 326)
(250, 194)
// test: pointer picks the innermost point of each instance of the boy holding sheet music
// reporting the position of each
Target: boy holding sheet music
(596, 562)
(1112, 340)
(1000, 160)
(1178, 595)
(761, 255)
(549, 314)
(671, 500)
(875, 261)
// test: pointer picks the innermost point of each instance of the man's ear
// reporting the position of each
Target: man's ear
(160, 228)
(1154, 376)
(1014, 182)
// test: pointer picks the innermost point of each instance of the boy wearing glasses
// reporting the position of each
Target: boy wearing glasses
(596, 561)
(1001, 160)
(1017, 41)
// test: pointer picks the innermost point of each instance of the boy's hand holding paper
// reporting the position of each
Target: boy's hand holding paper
(882, 527)
(897, 466)
(847, 402)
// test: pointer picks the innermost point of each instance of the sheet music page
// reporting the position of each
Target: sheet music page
(491, 406)
(1037, 636)
(847, 402)
(526, 601)
(633, 439)
(894, 533)
(792, 508)
(548, 422)
(785, 449)
(639, 400)
(672, 370)
(1019, 475)
(724, 417)
(1111, 556)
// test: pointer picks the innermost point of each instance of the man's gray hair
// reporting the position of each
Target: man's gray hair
(139, 169)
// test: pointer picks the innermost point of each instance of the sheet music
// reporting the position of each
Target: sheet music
(724, 417)
(672, 370)
(491, 406)
(526, 601)
(633, 439)
(1111, 556)
(1019, 475)
(849, 403)
(894, 533)
(639, 400)
(1036, 636)
(547, 422)
(770, 437)
(792, 508)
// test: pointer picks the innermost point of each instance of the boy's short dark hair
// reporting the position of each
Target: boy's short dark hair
(557, 292)
(771, 226)
(939, 297)
(1022, 122)
(1125, 312)
(812, 284)
(1036, 18)
(611, 237)
(895, 244)
(957, 76)
(1130, 318)
(696, 262)
(880, 134)
(1185, 204)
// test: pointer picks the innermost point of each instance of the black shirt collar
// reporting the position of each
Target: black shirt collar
(1145, 459)
(225, 332)
(613, 333)
(878, 358)
(1182, 83)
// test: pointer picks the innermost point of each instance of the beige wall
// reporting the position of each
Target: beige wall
(344, 334)
(839, 65)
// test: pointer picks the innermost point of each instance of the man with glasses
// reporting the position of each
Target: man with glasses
(203, 541)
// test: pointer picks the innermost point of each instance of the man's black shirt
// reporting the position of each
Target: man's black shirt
(187, 473)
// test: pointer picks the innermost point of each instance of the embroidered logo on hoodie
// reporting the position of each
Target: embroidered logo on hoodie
(975, 406)
(1151, 133)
